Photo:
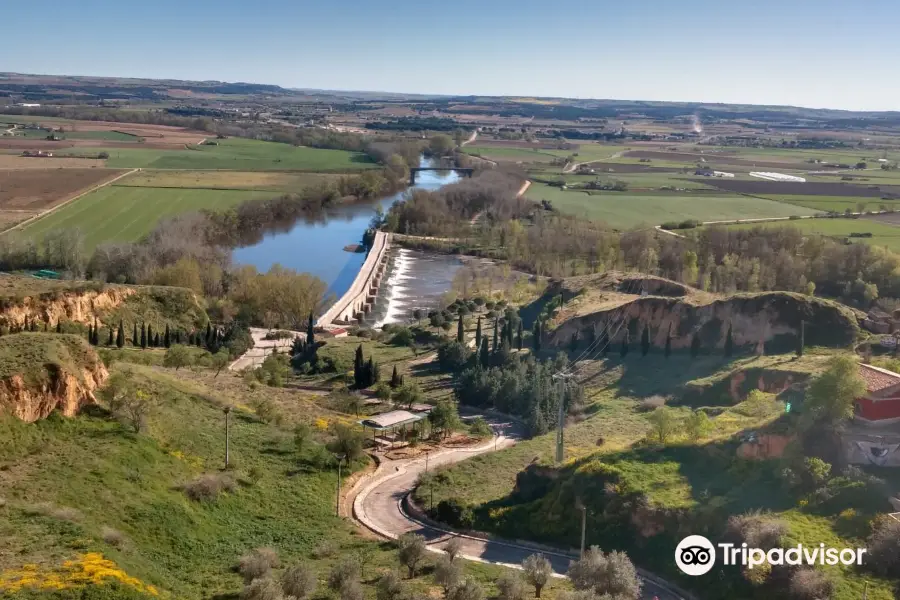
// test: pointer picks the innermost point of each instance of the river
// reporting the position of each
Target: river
(414, 279)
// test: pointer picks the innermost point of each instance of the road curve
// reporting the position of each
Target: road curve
(378, 507)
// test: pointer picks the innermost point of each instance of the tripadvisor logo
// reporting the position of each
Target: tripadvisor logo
(696, 555)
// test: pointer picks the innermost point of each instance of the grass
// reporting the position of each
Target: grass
(343, 350)
(702, 481)
(227, 180)
(110, 136)
(626, 210)
(537, 155)
(883, 235)
(233, 154)
(93, 475)
(125, 214)
(28, 354)
(836, 203)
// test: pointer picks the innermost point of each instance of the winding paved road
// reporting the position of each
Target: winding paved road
(378, 507)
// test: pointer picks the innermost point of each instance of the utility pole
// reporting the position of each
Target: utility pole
(561, 419)
(583, 528)
(337, 501)
(227, 410)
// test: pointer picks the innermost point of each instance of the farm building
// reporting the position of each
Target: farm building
(873, 437)
(881, 404)
(776, 176)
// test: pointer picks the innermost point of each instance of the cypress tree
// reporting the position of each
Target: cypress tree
(143, 335)
(150, 335)
(209, 335)
(46, 326)
(134, 336)
(120, 335)
(156, 340)
(369, 373)
(519, 336)
(395, 378)
(58, 326)
(33, 325)
(90, 335)
(645, 341)
(669, 342)
(460, 331)
(536, 336)
(110, 341)
(401, 381)
(478, 333)
(358, 367)
(801, 339)
(729, 342)
(167, 342)
(376, 372)
(178, 336)
(310, 333)
(573, 343)
(496, 335)
(198, 339)
(484, 358)
(96, 332)
(623, 350)
(695, 346)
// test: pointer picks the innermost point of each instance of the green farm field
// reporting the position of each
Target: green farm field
(626, 210)
(233, 154)
(836, 203)
(883, 235)
(227, 180)
(111, 136)
(125, 214)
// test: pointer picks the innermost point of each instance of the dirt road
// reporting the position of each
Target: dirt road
(262, 348)
(378, 506)
(570, 168)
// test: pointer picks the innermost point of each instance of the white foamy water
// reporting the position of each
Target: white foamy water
(414, 279)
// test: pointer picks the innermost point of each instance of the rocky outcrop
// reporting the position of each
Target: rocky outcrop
(81, 306)
(49, 373)
(769, 319)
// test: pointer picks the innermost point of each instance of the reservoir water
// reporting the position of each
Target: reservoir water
(414, 279)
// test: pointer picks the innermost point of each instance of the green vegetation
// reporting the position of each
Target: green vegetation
(41, 358)
(626, 210)
(126, 214)
(269, 181)
(883, 234)
(111, 136)
(233, 154)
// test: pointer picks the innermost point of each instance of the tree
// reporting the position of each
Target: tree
(447, 573)
(536, 336)
(645, 341)
(664, 423)
(220, 360)
(478, 333)
(460, 331)
(302, 436)
(345, 571)
(167, 340)
(150, 335)
(407, 395)
(347, 442)
(134, 336)
(310, 333)
(612, 574)
(469, 590)
(358, 366)
(695, 346)
(831, 396)
(120, 335)
(484, 357)
(90, 334)
(573, 342)
(110, 340)
(298, 581)
(519, 336)
(388, 587)
(884, 547)
(156, 341)
(177, 356)
(411, 550)
(496, 344)
(445, 417)
(801, 338)
(58, 326)
(668, 351)
(729, 342)
(440, 144)
(395, 378)
(511, 587)
(537, 572)
(698, 425)
(143, 336)
(453, 547)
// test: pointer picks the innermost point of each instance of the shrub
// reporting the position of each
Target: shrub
(351, 590)
(469, 590)
(811, 584)
(511, 587)
(257, 564)
(447, 573)
(388, 587)
(453, 547)
(298, 581)
(113, 537)
(278, 334)
(652, 403)
(261, 589)
(664, 423)
(325, 549)
(411, 550)
(479, 428)
(454, 513)
(756, 530)
(612, 574)
(208, 486)
(344, 571)
(884, 547)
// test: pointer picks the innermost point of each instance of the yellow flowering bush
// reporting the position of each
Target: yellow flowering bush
(90, 569)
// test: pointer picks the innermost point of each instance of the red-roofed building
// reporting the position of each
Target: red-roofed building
(881, 404)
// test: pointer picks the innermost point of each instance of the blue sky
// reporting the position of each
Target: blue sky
(823, 53)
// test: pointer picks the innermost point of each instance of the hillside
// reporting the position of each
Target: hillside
(43, 372)
(769, 321)
(47, 301)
